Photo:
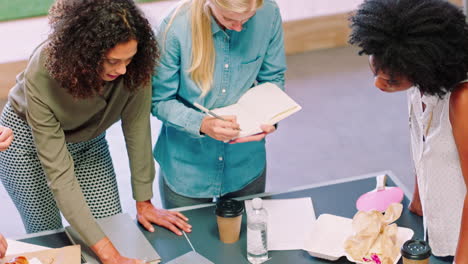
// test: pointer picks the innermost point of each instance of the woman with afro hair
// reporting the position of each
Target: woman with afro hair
(421, 47)
(92, 71)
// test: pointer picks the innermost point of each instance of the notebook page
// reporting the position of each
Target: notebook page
(262, 104)
(266, 101)
(248, 122)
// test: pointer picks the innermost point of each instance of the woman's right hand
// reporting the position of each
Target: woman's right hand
(108, 254)
(219, 129)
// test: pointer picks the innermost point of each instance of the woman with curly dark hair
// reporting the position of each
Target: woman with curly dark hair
(421, 46)
(93, 70)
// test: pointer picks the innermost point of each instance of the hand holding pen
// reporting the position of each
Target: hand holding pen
(223, 128)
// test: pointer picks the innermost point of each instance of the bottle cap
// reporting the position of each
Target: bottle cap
(416, 250)
(257, 203)
(229, 208)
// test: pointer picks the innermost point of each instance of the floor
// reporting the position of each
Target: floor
(25, 33)
(346, 128)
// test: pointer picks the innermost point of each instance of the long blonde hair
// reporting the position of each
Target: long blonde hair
(203, 52)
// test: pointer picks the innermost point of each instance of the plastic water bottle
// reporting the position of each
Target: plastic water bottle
(257, 250)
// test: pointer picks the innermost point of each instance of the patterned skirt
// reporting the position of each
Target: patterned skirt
(24, 179)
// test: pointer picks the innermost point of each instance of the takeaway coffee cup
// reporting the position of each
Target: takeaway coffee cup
(229, 218)
(415, 252)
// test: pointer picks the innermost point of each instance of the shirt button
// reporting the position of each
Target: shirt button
(226, 65)
(224, 90)
(220, 158)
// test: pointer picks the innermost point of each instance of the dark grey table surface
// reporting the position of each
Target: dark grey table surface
(336, 198)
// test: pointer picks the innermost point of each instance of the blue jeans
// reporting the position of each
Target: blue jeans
(171, 199)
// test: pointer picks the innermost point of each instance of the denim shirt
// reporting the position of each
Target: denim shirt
(196, 165)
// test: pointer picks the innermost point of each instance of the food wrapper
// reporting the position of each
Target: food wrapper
(375, 237)
(65, 255)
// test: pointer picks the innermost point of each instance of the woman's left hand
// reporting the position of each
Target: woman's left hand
(147, 215)
(6, 136)
(267, 129)
(3, 246)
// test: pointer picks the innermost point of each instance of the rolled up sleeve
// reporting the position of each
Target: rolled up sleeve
(166, 104)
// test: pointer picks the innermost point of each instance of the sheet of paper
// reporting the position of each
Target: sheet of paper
(191, 257)
(17, 247)
(64, 255)
(290, 222)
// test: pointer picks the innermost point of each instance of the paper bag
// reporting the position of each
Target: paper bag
(65, 255)
(374, 235)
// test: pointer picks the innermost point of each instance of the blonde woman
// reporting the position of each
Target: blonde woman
(213, 51)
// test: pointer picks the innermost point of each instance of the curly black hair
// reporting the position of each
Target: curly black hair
(83, 31)
(423, 40)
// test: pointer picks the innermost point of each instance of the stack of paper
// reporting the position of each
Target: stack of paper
(18, 247)
(290, 222)
(39, 254)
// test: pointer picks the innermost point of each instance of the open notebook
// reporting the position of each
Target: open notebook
(262, 104)
(125, 236)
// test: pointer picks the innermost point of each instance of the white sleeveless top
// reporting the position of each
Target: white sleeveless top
(441, 185)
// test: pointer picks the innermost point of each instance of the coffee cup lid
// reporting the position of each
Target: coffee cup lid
(416, 250)
(229, 208)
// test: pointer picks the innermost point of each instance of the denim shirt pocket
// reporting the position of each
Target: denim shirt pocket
(249, 71)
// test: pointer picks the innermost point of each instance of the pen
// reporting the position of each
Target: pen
(207, 111)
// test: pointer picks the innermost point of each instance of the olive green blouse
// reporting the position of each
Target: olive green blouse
(55, 118)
